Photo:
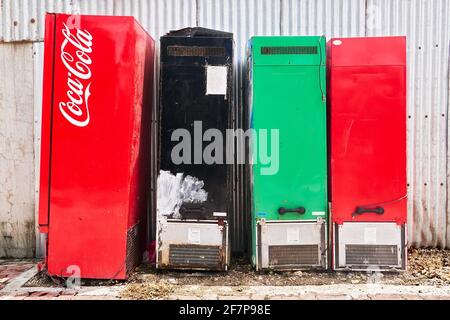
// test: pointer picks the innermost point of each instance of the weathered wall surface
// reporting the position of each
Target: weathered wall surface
(17, 173)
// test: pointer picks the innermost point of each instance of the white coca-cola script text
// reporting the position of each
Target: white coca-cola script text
(75, 51)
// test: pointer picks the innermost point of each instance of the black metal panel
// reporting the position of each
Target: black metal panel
(183, 100)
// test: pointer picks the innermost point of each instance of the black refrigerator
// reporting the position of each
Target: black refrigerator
(196, 162)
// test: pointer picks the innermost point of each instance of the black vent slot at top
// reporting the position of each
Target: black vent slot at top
(289, 50)
(184, 51)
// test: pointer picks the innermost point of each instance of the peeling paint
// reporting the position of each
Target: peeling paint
(173, 190)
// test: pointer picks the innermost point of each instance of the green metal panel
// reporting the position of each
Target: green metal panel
(288, 93)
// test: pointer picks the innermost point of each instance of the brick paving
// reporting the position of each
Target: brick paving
(13, 276)
(10, 271)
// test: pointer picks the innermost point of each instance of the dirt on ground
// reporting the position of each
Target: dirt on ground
(425, 267)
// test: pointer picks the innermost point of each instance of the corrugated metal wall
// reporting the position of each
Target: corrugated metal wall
(425, 22)
(427, 27)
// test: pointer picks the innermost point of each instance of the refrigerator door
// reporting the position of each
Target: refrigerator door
(196, 99)
(289, 151)
(195, 184)
(368, 129)
(94, 151)
(289, 105)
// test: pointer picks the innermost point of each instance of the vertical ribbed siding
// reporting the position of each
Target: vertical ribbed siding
(100, 7)
(333, 18)
(159, 16)
(426, 25)
(23, 20)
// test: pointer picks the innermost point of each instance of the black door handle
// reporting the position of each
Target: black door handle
(193, 211)
(362, 210)
(299, 210)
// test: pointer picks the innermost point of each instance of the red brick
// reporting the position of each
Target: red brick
(38, 294)
(23, 294)
(386, 297)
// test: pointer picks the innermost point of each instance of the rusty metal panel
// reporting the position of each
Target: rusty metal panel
(17, 227)
(427, 27)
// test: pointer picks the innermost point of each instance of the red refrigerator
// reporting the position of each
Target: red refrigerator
(95, 161)
(367, 111)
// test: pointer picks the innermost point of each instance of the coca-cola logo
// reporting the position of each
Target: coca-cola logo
(75, 51)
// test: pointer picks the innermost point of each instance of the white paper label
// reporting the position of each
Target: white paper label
(293, 235)
(370, 235)
(318, 213)
(219, 214)
(216, 80)
(194, 235)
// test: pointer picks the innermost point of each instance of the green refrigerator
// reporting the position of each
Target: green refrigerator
(286, 103)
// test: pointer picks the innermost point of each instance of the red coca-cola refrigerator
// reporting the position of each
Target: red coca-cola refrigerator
(367, 111)
(95, 148)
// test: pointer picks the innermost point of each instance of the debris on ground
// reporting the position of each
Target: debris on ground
(428, 266)
(41, 279)
(425, 267)
(147, 290)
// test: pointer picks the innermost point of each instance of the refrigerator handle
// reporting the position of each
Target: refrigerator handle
(299, 210)
(193, 211)
(361, 210)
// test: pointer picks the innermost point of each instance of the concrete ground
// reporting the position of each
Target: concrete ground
(13, 276)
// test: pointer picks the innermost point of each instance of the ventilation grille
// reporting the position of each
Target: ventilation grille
(294, 255)
(133, 248)
(289, 50)
(381, 255)
(182, 51)
(195, 256)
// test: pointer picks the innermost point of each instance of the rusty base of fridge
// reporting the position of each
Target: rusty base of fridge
(192, 245)
(369, 246)
(291, 245)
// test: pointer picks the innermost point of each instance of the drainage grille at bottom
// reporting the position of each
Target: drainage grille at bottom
(294, 255)
(195, 256)
(382, 255)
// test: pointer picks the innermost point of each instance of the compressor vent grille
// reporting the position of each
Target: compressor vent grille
(133, 248)
(382, 255)
(196, 256)
(289, 50)
(183, 51)
(294, 255)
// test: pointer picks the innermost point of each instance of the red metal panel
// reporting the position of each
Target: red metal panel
(367, 82)
(99, 165)
(44, 191)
